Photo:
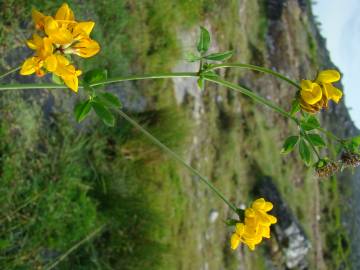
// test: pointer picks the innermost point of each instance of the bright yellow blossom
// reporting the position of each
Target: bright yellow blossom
(62, 35)
(315, 95)
(67, 72)
(44, 57)
(256, 225)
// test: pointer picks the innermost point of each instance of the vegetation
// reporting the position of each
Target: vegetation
(63, 181)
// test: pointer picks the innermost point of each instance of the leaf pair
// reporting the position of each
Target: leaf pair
(309, 122)
(305, 140)
(203, 47)
(101, 105)
(304, 149)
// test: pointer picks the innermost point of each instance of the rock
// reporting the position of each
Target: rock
(213, 215)
(289, 234)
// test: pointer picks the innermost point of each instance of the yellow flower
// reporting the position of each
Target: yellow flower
(32, 65)
(315, 95)
(61, 35)
(44, 57)
(67, 72)
(326, 78)
(256, 226)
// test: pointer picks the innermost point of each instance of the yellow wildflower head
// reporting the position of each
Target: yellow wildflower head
(60, 35)
(315, 95)
(256, 225)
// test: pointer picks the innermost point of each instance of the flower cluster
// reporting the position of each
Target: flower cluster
(60, 36)
(315, 95)
(256, 225)
(326, 168)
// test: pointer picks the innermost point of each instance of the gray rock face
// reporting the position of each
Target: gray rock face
(289, 234)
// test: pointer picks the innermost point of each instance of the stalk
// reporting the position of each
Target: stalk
(257, 68)
(104, 82)
(9, 72)
(177, 158)
(252, 95)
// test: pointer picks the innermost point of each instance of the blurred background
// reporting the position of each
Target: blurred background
(85, 196)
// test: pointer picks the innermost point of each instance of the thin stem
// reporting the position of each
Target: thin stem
(107, 81)
(311, 144)
(178, 158)
(9, 72)
(76, 246)
(330, 135)
(146, 77)
(257, 68)
(252, 95)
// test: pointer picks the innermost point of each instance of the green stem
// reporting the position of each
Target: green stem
(252, 95)
(178, 158)
(330, 135)
(257, 68)
(9, 72)
(311, 144)
(107, 81)
(76, 246)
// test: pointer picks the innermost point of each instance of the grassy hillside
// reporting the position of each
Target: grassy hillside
(91, 197)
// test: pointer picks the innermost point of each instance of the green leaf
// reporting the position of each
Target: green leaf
(204, 41)
(191, 57)
(56, 79)
(295, 107)
(104, 114)
(289, 144)
(81, 110)
(231, 222)
(95, 75)
(310, 123)
(356, 140)
(304, 151)
(222, 56)
(109, 100)
(201, 83)
(316, 140)
(209, 74)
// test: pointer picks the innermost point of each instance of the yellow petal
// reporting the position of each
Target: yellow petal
(268, 206)
(249, 212)
(51, 26)
(259, 204)
(38, 19)
(35, 43)
(272, 219)
(64, 13)
(48, 47)
(265, 231)
(28, 67)
(62, 37)
(57, 34)
(311, 95)
(328, 76)
(251, 246)
(83, 29)
(62, 60)
(51, 63)
(306, 85)
(240, 227)
(332, 92)
(235, 241)
(72, 82)
(86, 48)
